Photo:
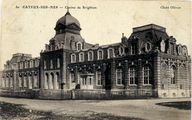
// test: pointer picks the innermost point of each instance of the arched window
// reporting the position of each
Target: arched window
(119, 77)
(81, 57)
(79, 46)
(133, 48)
(73, 58)
(21, 65)
(45, 64)
(173, 74)
(20, 81)
(26, 64)
(58, 63)
(146, 75)
(31, 63)
(51, 64)
(35, 83)
(110, 53)
(90, 56)
(121, 51)
(132, 75)
(36, 61)
(100, 54)
(25, 81)
(30, 82)
(98, 78)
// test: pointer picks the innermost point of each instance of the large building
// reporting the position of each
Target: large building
(149, 63)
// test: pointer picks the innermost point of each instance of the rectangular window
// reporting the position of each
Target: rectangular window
(98, 78)
(162, 86)
(119, 76)
(20, 81)
(146, 75)
(25, 81)
(132, 76)
(90, 79)
(181, 86)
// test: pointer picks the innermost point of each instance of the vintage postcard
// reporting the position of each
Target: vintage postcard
(95, 60)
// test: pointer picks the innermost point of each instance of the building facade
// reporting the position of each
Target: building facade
(149, 63)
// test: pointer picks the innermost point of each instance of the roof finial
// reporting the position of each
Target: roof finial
(67, 6)
(122, 34)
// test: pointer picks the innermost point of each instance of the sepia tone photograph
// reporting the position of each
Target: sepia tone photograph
(95, 60)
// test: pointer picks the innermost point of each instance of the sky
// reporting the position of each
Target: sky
(27, 30)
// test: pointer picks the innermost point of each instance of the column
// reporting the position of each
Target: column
(157, 75)
(126, 74)
(55, 82)
(178, 81)
(14, 80)
(103, 75)
(113, 74)
(2, 82)
(76, 75)
(63, 78)
(19, 81)
(94, 77)
(140, 74)
(46, 81)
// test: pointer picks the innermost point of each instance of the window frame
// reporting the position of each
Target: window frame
(83, 57)
(97, 78)
(146, 75)
(92, 56)
(77, 46)
(73, 56)
(108, 53)
(98, 54)
(119, 76)
(132, 76)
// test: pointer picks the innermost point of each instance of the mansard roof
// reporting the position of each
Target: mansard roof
(20, 57)
(150, 32)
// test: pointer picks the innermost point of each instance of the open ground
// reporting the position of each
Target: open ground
(134, 108)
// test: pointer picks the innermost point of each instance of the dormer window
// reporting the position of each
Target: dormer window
(79, 46)
(147, 47)
(133, 49)
(110, 53)
(100, 54)
(90, 56)
(73, 58)
(121, 51)
(81, 57)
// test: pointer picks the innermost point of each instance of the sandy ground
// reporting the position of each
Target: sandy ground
(140, 108)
